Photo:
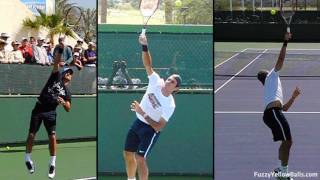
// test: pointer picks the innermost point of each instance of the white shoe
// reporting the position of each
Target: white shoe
(52, 171)
(279, 170)
(30, 167)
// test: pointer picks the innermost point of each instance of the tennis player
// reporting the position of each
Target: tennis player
(273, 115)
(153, 113)
(54, 93)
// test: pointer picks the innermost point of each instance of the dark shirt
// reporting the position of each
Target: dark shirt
(48, 99)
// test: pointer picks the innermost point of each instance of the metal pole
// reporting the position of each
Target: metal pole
(230, 2)
(253, 6)
(272, 5)
(242, 5)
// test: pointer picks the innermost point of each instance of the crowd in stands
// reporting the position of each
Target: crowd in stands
(39, 51)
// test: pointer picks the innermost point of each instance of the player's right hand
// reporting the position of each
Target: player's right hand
(287, 36)
(143, 39)
(296, 92)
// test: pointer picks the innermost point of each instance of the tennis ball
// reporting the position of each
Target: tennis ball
(178, 3)
(7, 148)
(273, 11)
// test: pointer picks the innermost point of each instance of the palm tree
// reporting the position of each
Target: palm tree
(88, 24)
(53, 22)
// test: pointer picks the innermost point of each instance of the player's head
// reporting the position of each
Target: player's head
(262, 75)
(67, 75)
(173, 82)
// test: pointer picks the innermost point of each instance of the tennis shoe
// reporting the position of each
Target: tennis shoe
(281, 175)
(52, 171)
(30, 167)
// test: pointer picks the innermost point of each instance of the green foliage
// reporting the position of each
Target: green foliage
(221, 5)
(194, 12)
(88, 24)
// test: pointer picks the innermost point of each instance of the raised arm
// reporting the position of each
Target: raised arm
(146, 57)
(295, 94)
(57, 58)
(282, 54)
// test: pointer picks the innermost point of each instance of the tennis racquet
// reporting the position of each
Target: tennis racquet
(147, 9)
(73, 16)
(287, 10)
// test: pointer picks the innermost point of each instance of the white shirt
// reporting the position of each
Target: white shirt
(154, 103)
(272, 88)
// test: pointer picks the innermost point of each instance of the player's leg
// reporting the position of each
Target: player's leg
(34, 126)
(284, 152)
(131, 145)
(50, 124)
(148, 138)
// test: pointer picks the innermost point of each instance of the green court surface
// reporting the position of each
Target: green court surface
(74, 160)
(158, 178)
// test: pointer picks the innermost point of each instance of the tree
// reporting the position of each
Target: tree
(195, 12)
(168, 10)
(54, 23)
(88, 24)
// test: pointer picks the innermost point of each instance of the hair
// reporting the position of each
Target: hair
(178, 79)
(262, 75)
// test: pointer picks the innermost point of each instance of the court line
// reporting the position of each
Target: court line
(287, 49)
(230, 58)
(261, 112)
(224, 84)
(89, 178)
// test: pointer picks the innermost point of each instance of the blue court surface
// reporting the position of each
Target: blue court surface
(243, 143)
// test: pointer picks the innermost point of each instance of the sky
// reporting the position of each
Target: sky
(85, 3)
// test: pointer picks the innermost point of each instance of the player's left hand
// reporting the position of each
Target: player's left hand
(135, 106)
(143, 39)
(287, 36)
(61, 100)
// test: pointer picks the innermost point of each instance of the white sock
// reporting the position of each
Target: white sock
(132, 179)
(27, 157)
(53, 160)
(284, 169)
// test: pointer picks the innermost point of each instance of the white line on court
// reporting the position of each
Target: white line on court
(240, 71)
(230, 58)
(287, 49)
(260, 112)
(89, 178)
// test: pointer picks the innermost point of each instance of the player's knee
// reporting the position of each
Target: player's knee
(52, 136)
(31, 135)
(287, 143)
(140, 159)
(128, 155)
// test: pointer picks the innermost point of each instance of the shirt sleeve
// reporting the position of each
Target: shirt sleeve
(154, 79)
(54, 77)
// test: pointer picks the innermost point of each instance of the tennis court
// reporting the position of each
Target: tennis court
(74, 161)
(157, 178)
(243, 139)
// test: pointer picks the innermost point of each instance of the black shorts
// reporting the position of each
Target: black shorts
(141, 138)
(278, 124)
(48, 119)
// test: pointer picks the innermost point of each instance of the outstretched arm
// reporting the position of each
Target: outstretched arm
(57, 58)
(146, 57)
(282, 54)
(295, 94)
(66, 104)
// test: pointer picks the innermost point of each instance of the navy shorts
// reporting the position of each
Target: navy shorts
(48, 119)
(278, 124)
(141, 138)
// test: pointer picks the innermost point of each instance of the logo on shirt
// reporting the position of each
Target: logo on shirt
(154, 101)
(57, 89)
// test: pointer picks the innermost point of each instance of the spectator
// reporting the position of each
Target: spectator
(79, 45)
(26, 50)
(5, 37)
(15, 56)
(32, 41)
(48, 48)
(76, 60)
(40, 53)
(66, 57)
(3, 53)
(90, 55)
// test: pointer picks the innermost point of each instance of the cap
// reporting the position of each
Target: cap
(91, 43)
(5, 35)
(66, 69)
(178, 79)
(41, 38)
(45, 45)
(76, 54)
(16, 42)
(2, 41)
(24, 39)
(80, 40)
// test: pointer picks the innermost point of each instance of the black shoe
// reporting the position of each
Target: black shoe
(30, 166)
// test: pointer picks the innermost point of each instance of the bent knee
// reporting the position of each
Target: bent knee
(287, 143)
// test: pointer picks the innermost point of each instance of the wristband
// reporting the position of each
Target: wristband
(285, 42)
(144, 48)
